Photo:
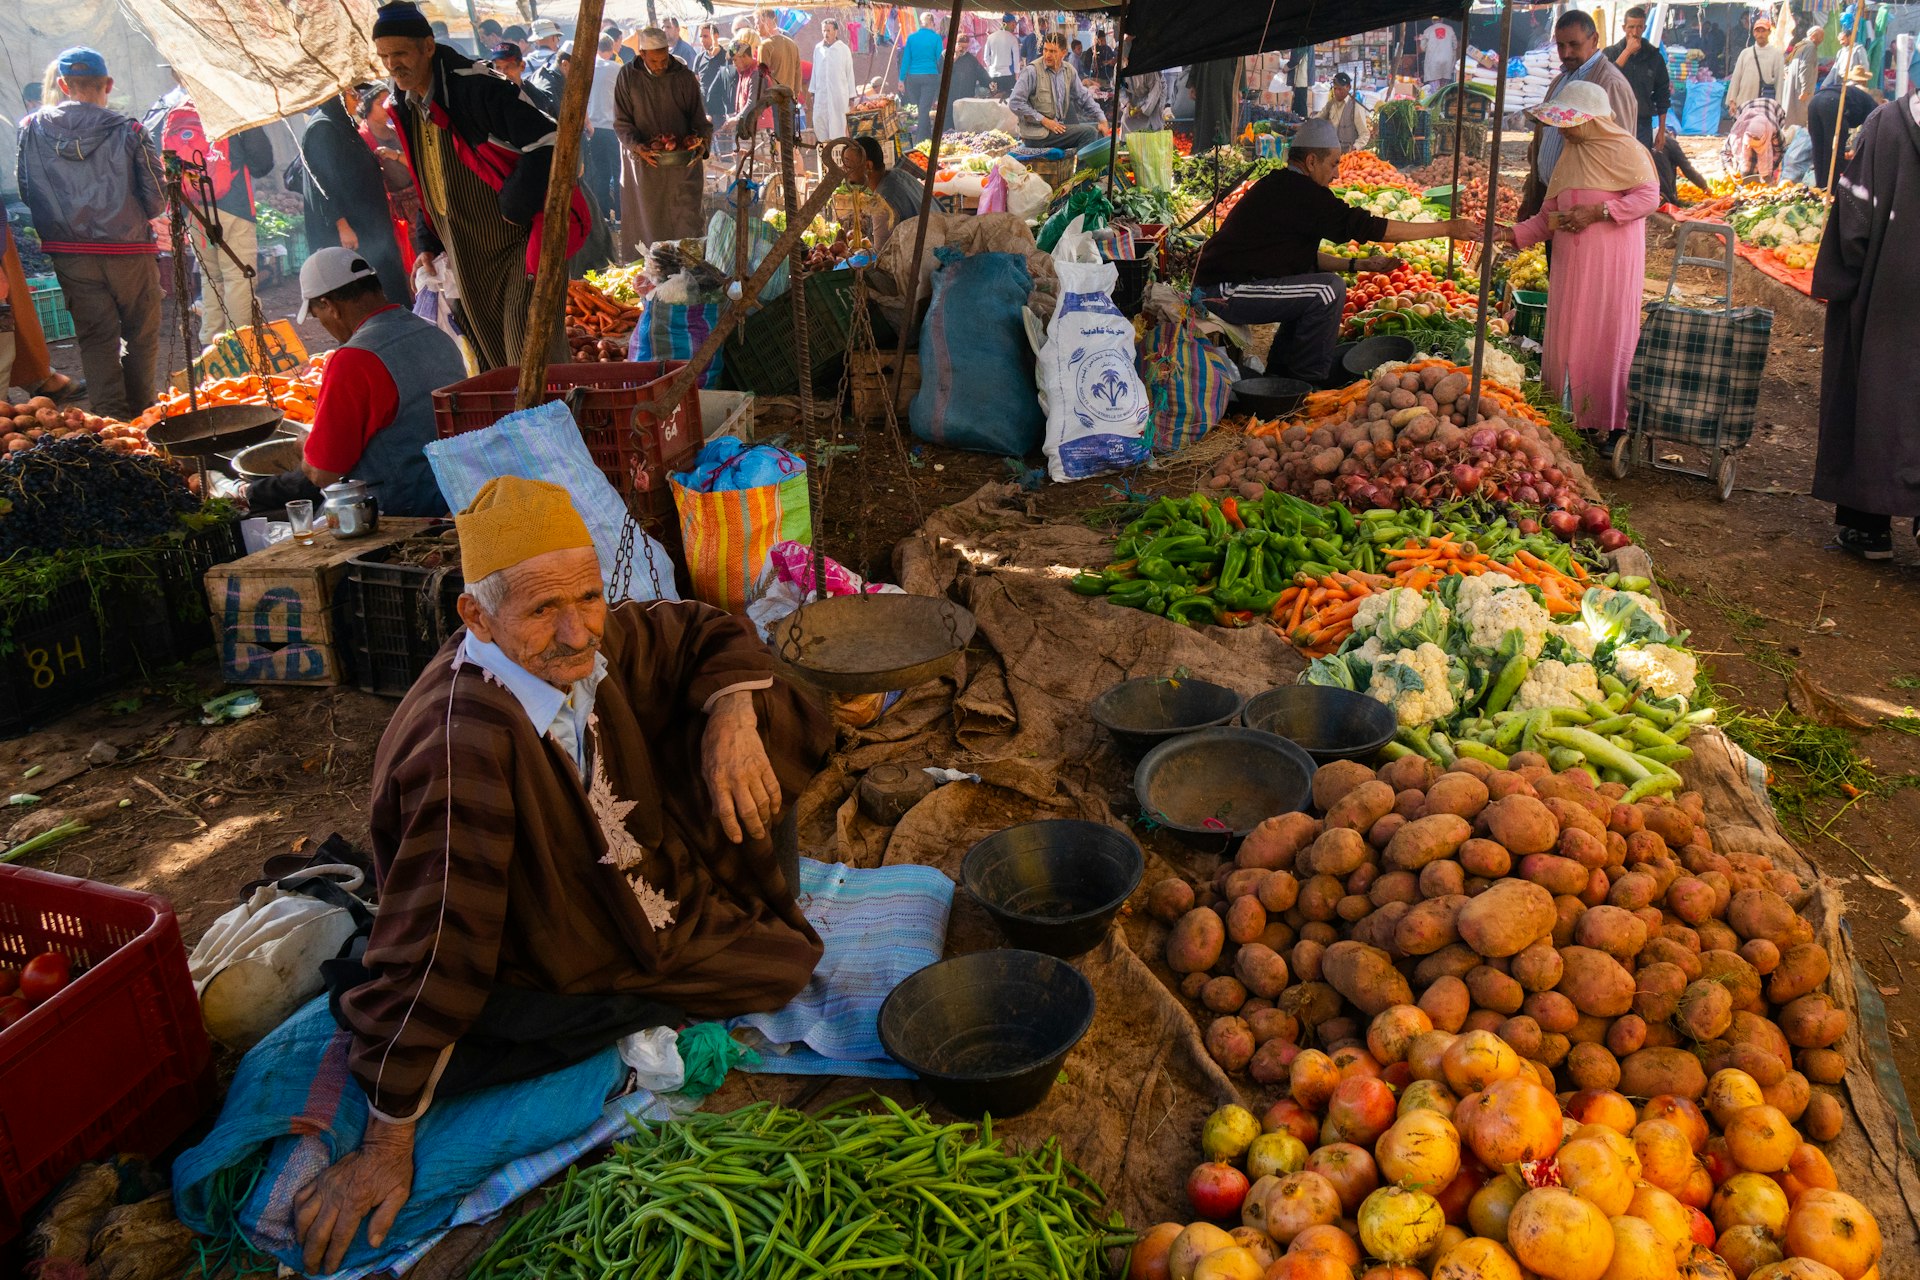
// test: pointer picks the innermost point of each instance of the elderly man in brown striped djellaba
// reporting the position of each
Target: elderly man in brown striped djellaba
(574, 816)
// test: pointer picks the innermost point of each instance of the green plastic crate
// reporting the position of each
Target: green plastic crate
(1529, 314)
(51, 306)
(761, 357)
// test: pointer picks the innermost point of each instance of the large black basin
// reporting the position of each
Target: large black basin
(1054, 885)
(1144, 712)
(1327, 723)
(1212, 787)
(987, 1032)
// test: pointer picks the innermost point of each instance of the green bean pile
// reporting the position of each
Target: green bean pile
(770, 1192)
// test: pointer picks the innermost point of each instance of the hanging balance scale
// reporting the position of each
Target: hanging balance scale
(218, 429)
(870, 642)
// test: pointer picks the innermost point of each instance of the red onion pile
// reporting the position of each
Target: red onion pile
(1410, 442)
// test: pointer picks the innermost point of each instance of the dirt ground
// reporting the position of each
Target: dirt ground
(1766, 600)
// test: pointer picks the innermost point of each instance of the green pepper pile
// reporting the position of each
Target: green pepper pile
(1197, 562)
(1225, 563)
(767, 1191)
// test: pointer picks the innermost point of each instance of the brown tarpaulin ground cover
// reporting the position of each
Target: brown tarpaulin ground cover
(1137, 1089)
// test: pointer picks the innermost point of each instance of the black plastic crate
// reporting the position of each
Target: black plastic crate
(183, 570)
(72, 648)
(401, 615)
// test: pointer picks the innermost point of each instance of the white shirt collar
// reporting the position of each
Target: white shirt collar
(553, 712)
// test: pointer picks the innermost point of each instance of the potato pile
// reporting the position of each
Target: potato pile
(24, 425)
(1458, 983)
(1609, 943)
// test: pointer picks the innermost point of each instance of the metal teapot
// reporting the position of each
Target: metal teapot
(350, 509)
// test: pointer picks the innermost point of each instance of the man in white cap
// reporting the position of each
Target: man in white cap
(543, 44)
(656, 100)
(1264, 265)
(375, 412)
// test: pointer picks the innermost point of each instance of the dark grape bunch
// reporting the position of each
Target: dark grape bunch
(77, 493)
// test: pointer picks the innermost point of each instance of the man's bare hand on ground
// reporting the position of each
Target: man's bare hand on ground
(376, 1179)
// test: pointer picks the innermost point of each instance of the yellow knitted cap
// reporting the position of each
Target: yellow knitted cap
(511, 520)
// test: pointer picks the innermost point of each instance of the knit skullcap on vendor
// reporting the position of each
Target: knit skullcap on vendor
(400, 19)
(513, 520)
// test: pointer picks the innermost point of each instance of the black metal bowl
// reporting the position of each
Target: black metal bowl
(224, 428)
(1337, 375)
(1271, 397)
(987, 1032)
(1144, 712)
(1054, 885)
(1370, 353)
(1328, 724)
(1212, 787)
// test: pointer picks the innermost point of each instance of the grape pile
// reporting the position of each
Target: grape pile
(77, 493)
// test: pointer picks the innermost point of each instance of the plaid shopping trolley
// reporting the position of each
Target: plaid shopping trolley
(1695, 377)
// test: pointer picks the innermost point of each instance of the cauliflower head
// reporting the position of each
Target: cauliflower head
(1557, 684)
(1476, 589)
(1491, 617)
(1389, 611)
(1575, 636)
(1661, 669)
(1415, 683)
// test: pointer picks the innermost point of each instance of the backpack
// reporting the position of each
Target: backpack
(183, 135)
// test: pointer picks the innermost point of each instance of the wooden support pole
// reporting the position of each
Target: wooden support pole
(1113, 107)
(550, 281)
(926, 204)
(1840, 116)
(1493, 207)
(1459, 127)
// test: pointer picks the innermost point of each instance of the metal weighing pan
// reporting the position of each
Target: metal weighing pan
(225, 428)
(872, 643)
(269, 457)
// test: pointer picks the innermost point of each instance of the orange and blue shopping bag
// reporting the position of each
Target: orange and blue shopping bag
(728, 533)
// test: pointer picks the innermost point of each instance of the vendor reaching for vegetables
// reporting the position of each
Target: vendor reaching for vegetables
(375, 412)
(1264, 265)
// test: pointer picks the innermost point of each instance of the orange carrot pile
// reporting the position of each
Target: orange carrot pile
(598, 315)
(1316, 614)
(294, 394)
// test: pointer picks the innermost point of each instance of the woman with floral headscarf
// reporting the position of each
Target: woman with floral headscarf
(1598, 199)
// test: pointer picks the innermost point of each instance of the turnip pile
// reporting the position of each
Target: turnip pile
(1410, 437)
(1512, 1025)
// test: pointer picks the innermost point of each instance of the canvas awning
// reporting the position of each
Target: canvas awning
(246, 63)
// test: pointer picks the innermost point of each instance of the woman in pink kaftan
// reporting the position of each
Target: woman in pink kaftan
(1599, 194)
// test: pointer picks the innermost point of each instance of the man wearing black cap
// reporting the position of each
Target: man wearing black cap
(1352, 122)
(480, 152)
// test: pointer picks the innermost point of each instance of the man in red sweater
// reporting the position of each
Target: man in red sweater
(375, 412)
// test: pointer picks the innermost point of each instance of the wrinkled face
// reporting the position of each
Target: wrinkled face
(1322, 166)
(553, 617)
(1575, 46)
(830, 31)
(1338, 92)
(1636, 28)
(657, 60)
(408, 59)
(1053, 55)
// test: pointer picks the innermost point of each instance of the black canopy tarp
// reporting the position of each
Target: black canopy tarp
(1177, 33)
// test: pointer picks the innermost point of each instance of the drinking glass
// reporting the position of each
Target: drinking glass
(300, 516)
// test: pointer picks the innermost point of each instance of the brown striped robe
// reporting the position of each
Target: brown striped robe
(497, 878)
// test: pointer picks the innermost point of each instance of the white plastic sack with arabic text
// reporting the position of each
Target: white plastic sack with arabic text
(1097, 406)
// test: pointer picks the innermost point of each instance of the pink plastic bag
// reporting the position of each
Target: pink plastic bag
(993, 196)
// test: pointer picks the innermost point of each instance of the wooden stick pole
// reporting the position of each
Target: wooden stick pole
(1840, 116)
(926, 204)
(1493, 207)
(1459, 128)
(550, 281)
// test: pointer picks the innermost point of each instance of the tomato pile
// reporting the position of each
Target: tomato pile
(1406, 288)
(30, 985)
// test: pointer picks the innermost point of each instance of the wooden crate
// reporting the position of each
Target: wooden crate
(869, 375)
(276, 615)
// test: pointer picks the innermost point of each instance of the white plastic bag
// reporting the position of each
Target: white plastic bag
(1097, 406)
(654, 1055)
(1028, 194)
(260, 961)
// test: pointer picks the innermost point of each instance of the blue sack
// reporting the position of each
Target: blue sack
(674, 331)
(976, 365)
(728, 463)
(1705, 98)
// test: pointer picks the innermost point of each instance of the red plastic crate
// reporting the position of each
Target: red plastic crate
(632, 447)
(117, 1061)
